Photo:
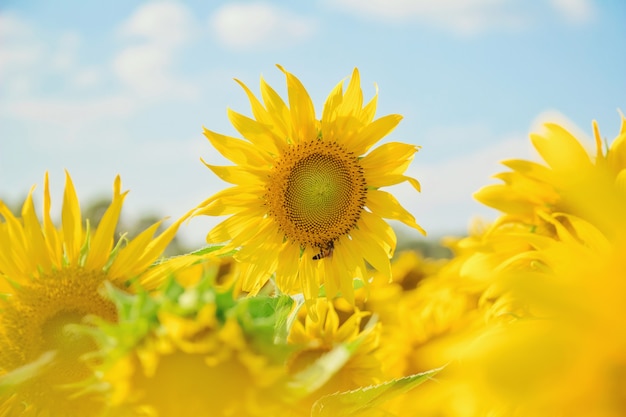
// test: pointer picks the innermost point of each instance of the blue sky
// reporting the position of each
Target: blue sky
(101, 88)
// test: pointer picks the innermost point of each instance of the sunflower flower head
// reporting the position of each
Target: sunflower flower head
(306, 203)
(51, 277)
(190, 351)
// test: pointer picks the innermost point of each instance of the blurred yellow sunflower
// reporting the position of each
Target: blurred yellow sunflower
(306, 202)
(531, 190)
(51, 277)
(197, 349)
(314, 338)
(544, 337)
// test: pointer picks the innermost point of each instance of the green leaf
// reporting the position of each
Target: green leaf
(367, 398)
(262, 318)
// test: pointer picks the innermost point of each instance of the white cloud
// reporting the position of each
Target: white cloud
(574, 11)
(164, 22)
(65, 57)
(445, 204)
(69, 113)
(157, 32)
(86, 78)
(253, 25)
(459, 16)
(20, 47)
(27, 59)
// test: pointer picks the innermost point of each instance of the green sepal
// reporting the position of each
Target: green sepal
(137, 316)
(368, 399)
(262, 318)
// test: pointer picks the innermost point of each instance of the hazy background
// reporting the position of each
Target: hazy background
(102, 88)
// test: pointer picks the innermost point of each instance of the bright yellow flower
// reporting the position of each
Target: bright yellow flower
(306, 202)
(546, 336)
(200, 351)
(191, 366)
(565, 354)
(51, 277)
(532, 189)
(394, 303)
(315, 338)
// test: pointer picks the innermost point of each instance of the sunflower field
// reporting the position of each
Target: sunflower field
(300, 305)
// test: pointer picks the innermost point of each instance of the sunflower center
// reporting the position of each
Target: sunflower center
(35, 320)
(316, 192)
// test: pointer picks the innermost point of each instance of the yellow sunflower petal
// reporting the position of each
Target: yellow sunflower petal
(52, 237)
(301, 108)
(156, 247)
(265, 238)
(267, 116)
(375, 226)
(560, 149)
(259, 134)
(353, 98)
(309, 270)
(372, 251)
(72, 223)
(253, 277)
(500, 197)
(237, 150)
(230, 201)
(332, 275)
(616, 155)
(236, 174)
(331, 106)
(103, 238)
(530, 169)
(124, 263)
(369, 111)
(391, 158)
(385, 205)
(388, 180)
(34, 235)
(214, 199)
(372, 133)
(238, 227)
(286, 271)
(13, 260)
(277, 109)
(351, 265)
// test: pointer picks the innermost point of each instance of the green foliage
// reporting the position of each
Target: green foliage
(365, 401)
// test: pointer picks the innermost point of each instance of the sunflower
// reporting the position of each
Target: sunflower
(51, 277)
(544, 337)
(318, 337)
(306, 202)
(530, 190)
(200, 350)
